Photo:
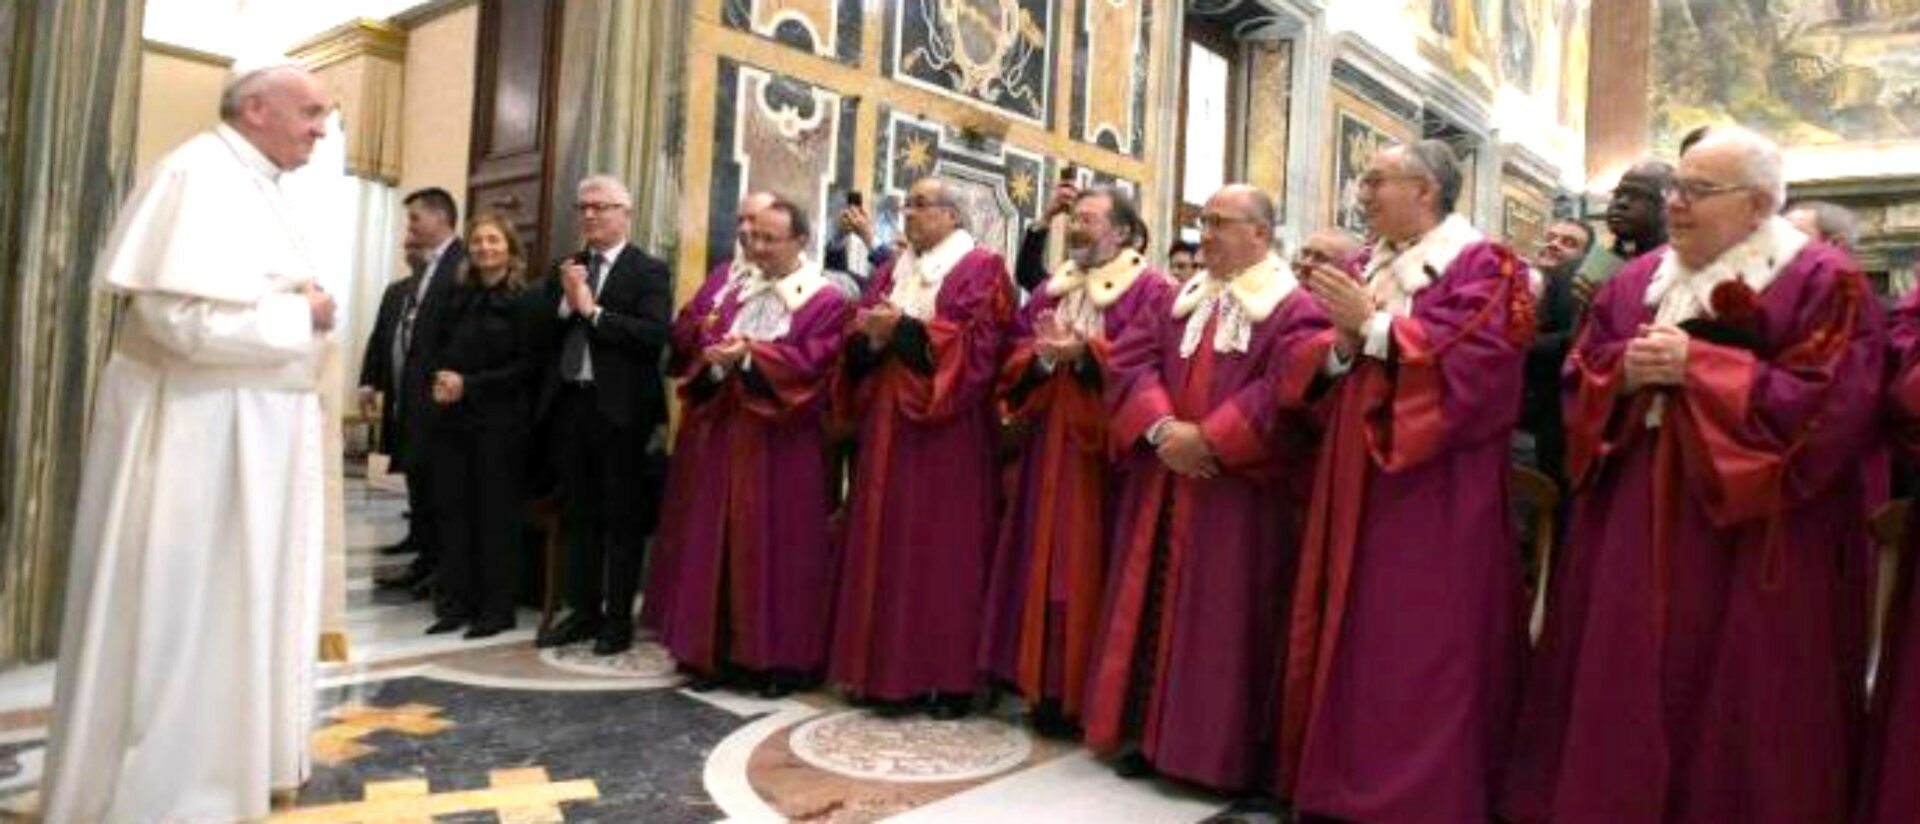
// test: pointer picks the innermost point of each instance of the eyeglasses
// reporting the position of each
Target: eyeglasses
(769, 237)
(1694, 191)
(1210, 221)
(587, 207)
(1375, 180)
(926, 203)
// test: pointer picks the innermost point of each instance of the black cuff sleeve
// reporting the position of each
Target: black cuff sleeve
(911, 344)
(1086, 370)
(1029, 381)
(756, 383)
(1724, 334)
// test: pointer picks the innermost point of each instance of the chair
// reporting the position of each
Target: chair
(1541, 497)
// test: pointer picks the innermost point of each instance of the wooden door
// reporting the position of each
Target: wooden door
(515, 73)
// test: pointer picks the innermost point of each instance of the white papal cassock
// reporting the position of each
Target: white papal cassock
(186, 657)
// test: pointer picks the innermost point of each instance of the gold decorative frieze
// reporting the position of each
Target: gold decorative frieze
(363, 62)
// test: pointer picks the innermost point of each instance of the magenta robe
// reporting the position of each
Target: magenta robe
(694, 328)
(745, 565)
(921, 515)
(1890, 774)
(1702, 659)
(1196, 610)
(1049, 571)
(1408, 624)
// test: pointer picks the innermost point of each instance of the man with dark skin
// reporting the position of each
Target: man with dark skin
(1637, 218)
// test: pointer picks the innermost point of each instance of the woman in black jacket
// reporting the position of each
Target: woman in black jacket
(483, 381)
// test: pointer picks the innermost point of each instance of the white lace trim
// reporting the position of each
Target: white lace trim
(917, 278)
(1678, 294)
(1395, 276)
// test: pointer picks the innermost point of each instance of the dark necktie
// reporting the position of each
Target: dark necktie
(573, 355)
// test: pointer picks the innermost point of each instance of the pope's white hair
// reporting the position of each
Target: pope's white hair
(1759, 159)
(605, 183)
(248, 81)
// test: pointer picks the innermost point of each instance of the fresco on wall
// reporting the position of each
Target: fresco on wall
(1805, 71)
(828, 28)
(1518, 34)
(1573, 30)
(993, 52)
(778, 135)
(1110, 74)
(1355, 142)
(1000, 188)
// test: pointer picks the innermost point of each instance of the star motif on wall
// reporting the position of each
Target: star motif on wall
(918, 154)
(1020, 188)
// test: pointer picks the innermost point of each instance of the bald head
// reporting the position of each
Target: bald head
(1330, 247)
(1236, 228)
(932, 213)
(281, 110)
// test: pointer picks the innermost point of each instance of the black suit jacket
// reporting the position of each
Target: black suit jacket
(376, 366)
(625, 345)
(417, 409)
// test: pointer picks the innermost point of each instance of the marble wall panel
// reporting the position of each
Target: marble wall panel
(992, 52)
(780, 135)
(1001, 188)
(1110, 74)
(1269, 118)
(828, 28)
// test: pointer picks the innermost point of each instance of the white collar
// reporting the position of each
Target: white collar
(610, 253)
(932, 267)
(739, 266)
(1104, 284)
(1679, 294)
(249, 154)
(1415, 267)
(1258, 289)
(794, 288)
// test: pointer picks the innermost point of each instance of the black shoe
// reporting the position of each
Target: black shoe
(613, 639)
(775, 688)
(446, 625)
(403, 547)
(1049, 722)
(576, 627)
(950, 707)
(412, 578)
(1134, 765)
(706, 683)
(892, 709)
(487, 628)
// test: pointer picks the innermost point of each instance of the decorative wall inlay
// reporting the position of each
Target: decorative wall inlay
(1353, 79)
(1355, 142)
(828, 28)
(911, 750)
(778, 135)
(1000, 188)
(990, 51)
(1110, 74)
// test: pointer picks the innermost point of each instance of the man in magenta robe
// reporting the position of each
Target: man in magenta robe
(1702, 657)
(1890, 774)
(1050, 570)
(686, 349)
(918, 377)
(1206, 530)
(1407, 627)
(745, 526)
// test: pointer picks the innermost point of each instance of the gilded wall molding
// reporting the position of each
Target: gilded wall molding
(188, 54)
(363, 62)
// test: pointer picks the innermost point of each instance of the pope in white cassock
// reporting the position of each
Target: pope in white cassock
(186, 657)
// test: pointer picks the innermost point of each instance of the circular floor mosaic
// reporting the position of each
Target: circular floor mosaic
(645, 659)
(861, 745)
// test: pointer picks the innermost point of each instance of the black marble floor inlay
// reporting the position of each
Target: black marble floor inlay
(644, 750)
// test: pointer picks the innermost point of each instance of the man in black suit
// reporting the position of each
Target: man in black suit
(434, 248)
(613, 307)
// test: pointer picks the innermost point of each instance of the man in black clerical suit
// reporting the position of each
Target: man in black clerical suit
(435, 252)
(612, 310)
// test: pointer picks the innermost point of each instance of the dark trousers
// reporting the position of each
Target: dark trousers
(607, 506)
(478, 507)
(417, 462)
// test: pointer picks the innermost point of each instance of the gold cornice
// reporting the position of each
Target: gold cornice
(428, 12)
(361, 37)
(192, 55)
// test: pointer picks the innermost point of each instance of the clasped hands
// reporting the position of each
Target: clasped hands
(1658, 357)
(727, 354)
(877, 324)
(1055, 342)
(1343, 299)
(573, 281)
(448, 387)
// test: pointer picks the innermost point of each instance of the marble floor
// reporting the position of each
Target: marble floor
(435, 729)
